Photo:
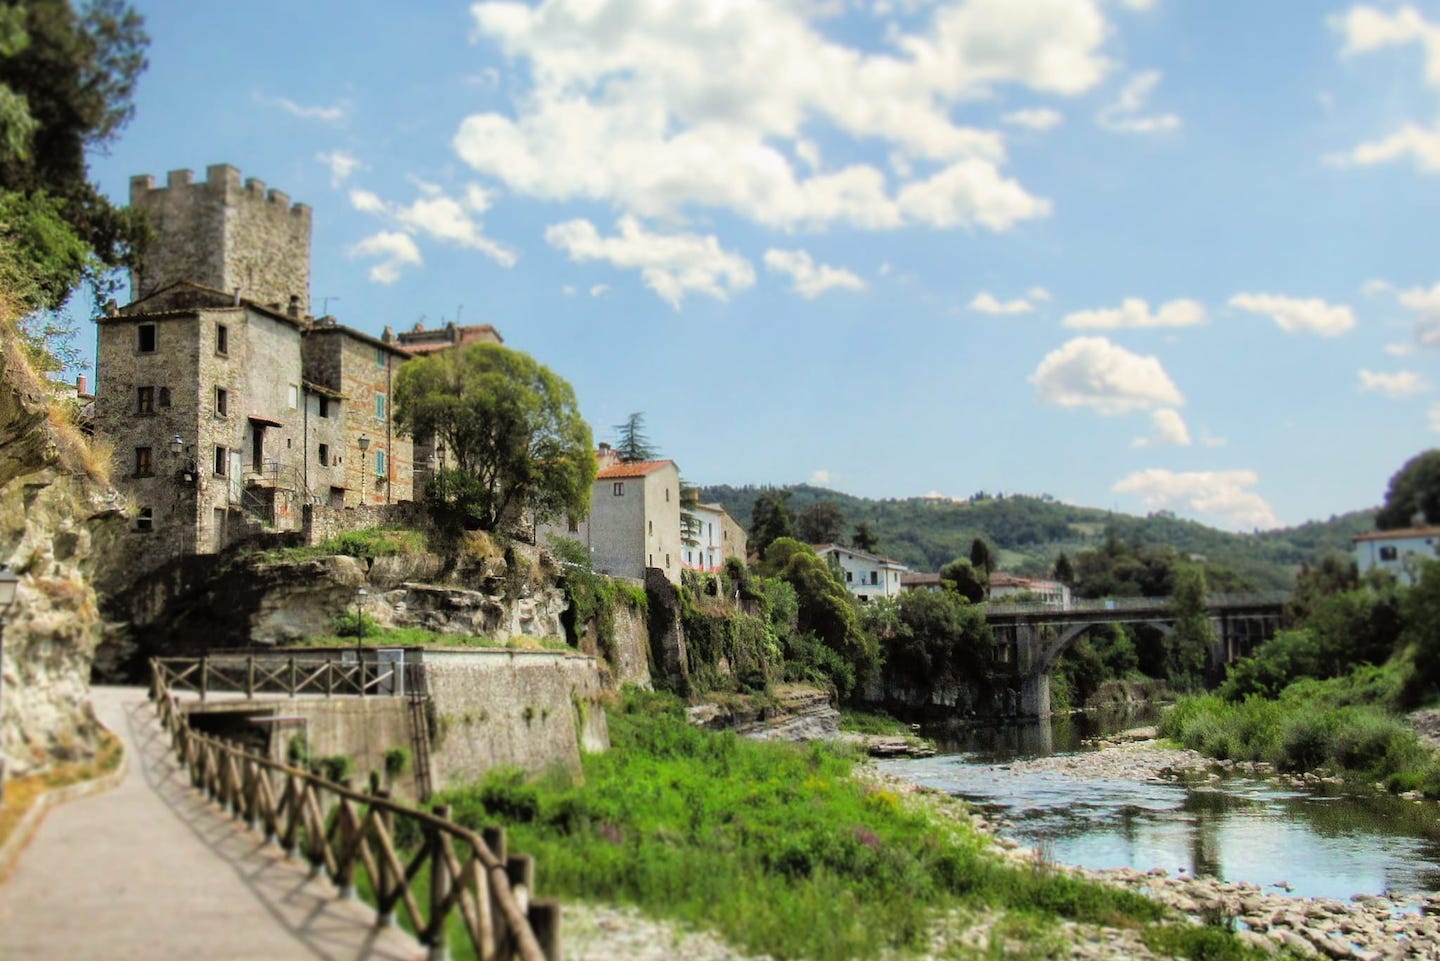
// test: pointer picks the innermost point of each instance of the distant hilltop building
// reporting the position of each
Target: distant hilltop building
(231, 408)
(1396, 551)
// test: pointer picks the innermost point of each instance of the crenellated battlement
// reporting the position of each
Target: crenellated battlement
(225, 232)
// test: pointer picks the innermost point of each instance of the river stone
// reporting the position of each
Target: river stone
(1295, 943)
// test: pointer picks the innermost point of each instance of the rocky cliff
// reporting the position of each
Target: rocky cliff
(57, 517)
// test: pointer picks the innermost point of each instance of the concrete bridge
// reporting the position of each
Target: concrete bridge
(1031, 637)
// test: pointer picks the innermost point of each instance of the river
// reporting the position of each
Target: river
(1322, 842)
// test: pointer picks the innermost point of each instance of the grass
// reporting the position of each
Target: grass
(419, 637)
(775, 846)
(21, 793)
(1335, 724)
(370, 542)
(862, 722)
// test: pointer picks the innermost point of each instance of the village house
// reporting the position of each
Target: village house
(1396, 551)
(868, 576)
(229, 406)
(710, 535)
(634, 520)
(1048, 593)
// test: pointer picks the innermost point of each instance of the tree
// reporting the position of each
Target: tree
(932, 638)
(66, 83)
(821, 523)
(1063, 572)
(824, 607)
(864, 539)
(980, 556)
(630, 441)
(1414, 492)
(1190, 640)
(961, 577)
(512, 425)
(770, 519)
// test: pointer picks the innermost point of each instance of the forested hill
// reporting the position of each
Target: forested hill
(1026, 533)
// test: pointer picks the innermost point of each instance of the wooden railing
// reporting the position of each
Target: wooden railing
(251, 674)
(340, 831)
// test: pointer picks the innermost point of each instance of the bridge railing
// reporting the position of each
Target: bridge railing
(340, 831)
(1213, 602)
(252, 674)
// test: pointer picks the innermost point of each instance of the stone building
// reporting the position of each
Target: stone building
(418, 341)
(228, 406)
(634, 520)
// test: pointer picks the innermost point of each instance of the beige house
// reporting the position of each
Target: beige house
(634, 520)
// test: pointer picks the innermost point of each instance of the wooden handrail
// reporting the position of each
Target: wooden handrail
(337, 829)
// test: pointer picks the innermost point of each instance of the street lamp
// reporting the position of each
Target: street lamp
(9, 582)
(364, 446)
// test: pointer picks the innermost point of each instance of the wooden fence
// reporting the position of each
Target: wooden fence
(251, 674)
(339, 830)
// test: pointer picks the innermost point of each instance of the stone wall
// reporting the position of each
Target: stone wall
(322, 522)
(518, 709)
(225, 235)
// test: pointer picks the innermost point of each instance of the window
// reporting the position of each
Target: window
(1389, 553)
(849, 576)
(667, 495)
(164, 396)
(324, 455)
(222, 456)
(667, 562)
(874, 577)
(144, 400)
(380, 406)
(222, 402)
(325, 407)
(143, 465)
(652, 528)
(294, 396)
(379, 356)
(146, 343)
(619, 489)
(573, 525)
(145, 519)
(379, 463)
(222, 339)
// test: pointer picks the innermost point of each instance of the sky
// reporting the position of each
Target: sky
(1141, 255)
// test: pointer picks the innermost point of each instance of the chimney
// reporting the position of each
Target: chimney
(606, 456)
(80, 385)
(294, 309)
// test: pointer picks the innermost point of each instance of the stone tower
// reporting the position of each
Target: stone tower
(226, 235)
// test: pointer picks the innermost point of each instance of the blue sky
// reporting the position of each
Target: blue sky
(1135, 254)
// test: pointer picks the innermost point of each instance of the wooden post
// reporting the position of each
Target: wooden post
(204, 676)
(440, 881)
(329, 677)
(385, 917)
(348, 841)
(544, 917)
(294, 678)
(250, 676)
(494, 837)
(520, 869)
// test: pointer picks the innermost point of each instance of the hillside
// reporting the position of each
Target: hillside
(1028, 532)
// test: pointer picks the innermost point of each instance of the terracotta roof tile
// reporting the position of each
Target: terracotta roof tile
(1404, 532)
(638, 468)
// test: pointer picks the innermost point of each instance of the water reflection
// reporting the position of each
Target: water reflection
(1324, 843)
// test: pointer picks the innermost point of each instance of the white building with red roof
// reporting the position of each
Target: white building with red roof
(867, 576)
(1397, 551)
(634, 520)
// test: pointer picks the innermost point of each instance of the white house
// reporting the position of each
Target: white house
(1040, 591)
(868, 576)
(1396, 551)
(710, 535)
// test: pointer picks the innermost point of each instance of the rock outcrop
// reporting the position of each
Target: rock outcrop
(57, 517)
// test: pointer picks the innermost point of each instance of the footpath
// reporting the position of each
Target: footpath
(151, 870)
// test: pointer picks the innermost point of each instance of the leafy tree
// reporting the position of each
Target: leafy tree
(980, 556)
(66, 82)
(512, 425)
(1414, 490)
(1062, 571)
(931, 638)
(1192, 635)
(1422, 632)
(770, 519)
(824, 607)
(864, 539)
(821, 523)
(961, 577)
(631, 443)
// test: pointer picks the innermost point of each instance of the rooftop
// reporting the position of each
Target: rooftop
(1401, 532)
(638, 468)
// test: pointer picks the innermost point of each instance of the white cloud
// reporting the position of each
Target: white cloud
(655, 108)
(820, 477)
(810, 279)
(1400, 350)
(672, 265)
(1035, 118)
(1367, 29)
(1400, 384)
(1127, 113)
(1138, 4)
(1416, 141)
(332, 114)
(395, 250)
(1093, 372)
(440, 217)
(1134, 312)
(1295, 315)
(1039, 293)
(341, 165)
(1221, 495)
(367, 202)
(599, 290)
(1426, 305)
(1169, 430)
(986, 303)
(1435, 418)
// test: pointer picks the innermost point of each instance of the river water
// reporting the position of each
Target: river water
(1320, 842)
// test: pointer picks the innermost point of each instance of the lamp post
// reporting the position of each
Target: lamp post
(360, 638)
(364, 446)
(9, 582)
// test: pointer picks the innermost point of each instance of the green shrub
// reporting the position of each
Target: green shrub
(337, 768)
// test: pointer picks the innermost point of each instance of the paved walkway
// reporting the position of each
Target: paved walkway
(150, 870)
